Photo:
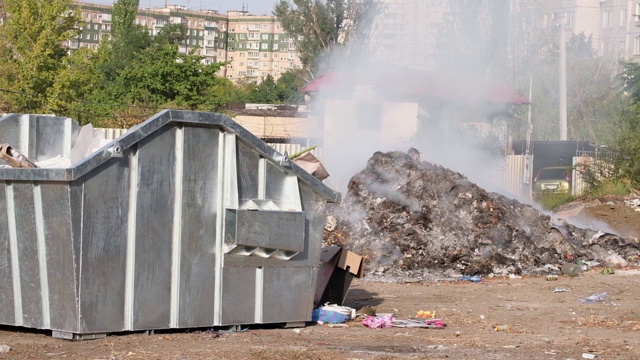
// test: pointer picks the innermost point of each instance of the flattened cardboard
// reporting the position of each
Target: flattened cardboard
(352, 263)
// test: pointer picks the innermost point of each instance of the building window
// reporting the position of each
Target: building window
(636, 46)
(568, 19)
(265, 36)
(275, 47)
(264, 55)
(606, 18)
(264, 46)
(623, 17)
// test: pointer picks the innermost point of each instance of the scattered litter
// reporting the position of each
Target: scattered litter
(297, 331)
(601, 297)
(4, 349)
(552, 277)
(615, 261)
(560, 290)
(367, 311)
(345, 310)
(511, 346)
(322, 316)
(331, 223)
(607, 271)
(571, 269)
(232, 329)
(338, 325)
(426, 314)
(379, 322)
(471, 278)
(56, 353)
(633, 202)
(457, 334)
(588, 356)
(512, 276)
(506, 328)
(419, 323)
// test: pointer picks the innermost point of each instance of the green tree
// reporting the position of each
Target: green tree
(160, 74)
(319, 28)
(628, 125)
(128, 39)
(31, 51)
(287, 88)
(171, 34)
(78, 79)
(593, 99)
(222, 92)
(265, 92)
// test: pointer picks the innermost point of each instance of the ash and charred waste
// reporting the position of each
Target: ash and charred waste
(410, 219)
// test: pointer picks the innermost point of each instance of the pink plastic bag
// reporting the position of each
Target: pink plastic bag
(378, 322)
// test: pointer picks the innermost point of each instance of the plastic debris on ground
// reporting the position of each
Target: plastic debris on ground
(4, 349)
(333, 314)
(420, 323)
(608, 271)
(379, 322)
(426, 314)
(601, 297)
(471, 278)
(388, 320)
(560, 290)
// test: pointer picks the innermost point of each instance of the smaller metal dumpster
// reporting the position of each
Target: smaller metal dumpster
(187, 220)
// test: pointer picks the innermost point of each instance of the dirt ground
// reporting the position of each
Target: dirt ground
(543, 324)
(610, 211)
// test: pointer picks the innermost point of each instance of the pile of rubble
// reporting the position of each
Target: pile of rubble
(413, 219)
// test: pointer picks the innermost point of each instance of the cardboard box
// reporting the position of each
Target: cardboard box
(338, 267)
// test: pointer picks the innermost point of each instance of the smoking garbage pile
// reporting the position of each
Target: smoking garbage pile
(414, 219)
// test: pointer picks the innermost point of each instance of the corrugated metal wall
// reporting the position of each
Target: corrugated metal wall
(511, 178)
(112, 134)
(600, 167)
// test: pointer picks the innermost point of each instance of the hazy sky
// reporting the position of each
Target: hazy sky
(256, 7)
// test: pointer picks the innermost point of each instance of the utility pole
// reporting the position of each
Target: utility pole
(563, 75)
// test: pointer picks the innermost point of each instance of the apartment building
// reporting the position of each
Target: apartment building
(254, 46)
(407, 31)
(612, 24)
(257, 46)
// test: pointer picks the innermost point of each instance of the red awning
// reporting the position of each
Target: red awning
(326, 82)
(420, 84)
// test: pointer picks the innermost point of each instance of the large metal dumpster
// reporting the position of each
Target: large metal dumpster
(187, 220)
